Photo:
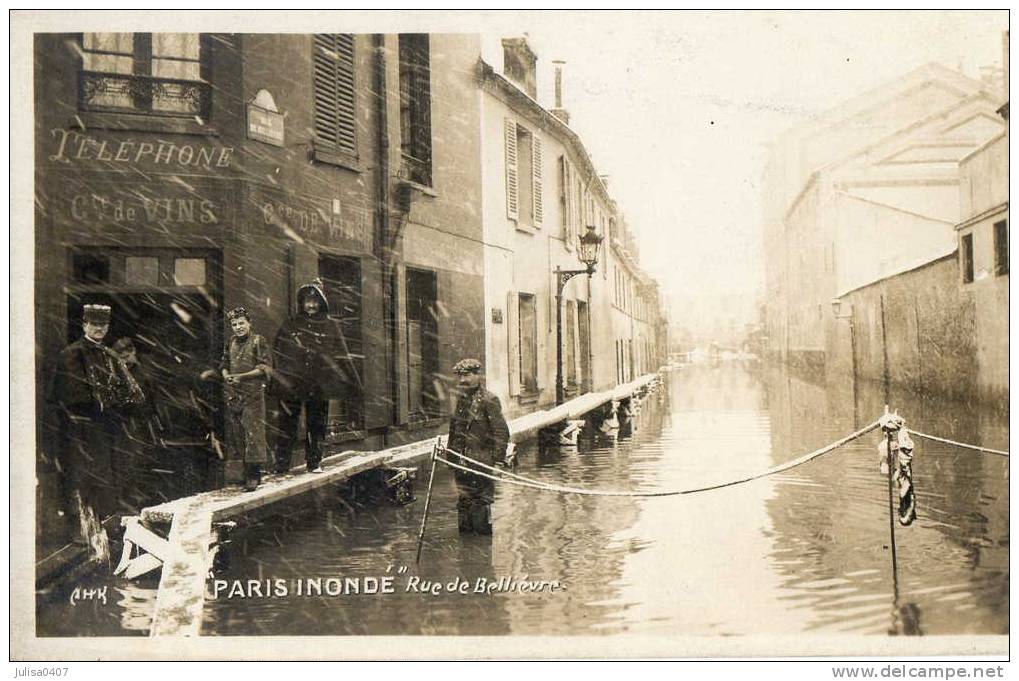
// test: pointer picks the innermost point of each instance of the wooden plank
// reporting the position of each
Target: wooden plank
(181, 596)
(187, 560)
(231, 501)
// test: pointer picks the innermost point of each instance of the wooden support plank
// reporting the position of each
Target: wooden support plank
(181, 596)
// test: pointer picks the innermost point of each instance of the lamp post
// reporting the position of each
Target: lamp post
(589, 244)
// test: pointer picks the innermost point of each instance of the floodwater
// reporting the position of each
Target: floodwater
(805, 551)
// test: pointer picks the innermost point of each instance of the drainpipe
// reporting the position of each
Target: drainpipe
(383, 246)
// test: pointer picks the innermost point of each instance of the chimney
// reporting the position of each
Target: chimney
(558, 111)
(519, 65)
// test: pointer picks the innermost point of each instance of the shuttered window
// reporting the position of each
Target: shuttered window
(537, 210)
(564, 195)
(333, 64)
(524, 183)
(512, 183)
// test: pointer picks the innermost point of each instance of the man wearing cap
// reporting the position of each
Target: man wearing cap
(478, 431)
(245, 367)
(90, 388)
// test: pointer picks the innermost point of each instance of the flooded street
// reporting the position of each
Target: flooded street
(803, 551)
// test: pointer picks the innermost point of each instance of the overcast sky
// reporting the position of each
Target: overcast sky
(677, 108)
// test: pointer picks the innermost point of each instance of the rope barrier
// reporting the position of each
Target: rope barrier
(514, 479)
(957, 444)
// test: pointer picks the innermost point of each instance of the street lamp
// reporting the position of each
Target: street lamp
(589, 245)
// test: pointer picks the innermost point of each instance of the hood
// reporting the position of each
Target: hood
(313, 288)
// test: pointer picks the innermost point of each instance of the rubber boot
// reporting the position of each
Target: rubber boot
(481, 517)
(252, 476)
(463, 514)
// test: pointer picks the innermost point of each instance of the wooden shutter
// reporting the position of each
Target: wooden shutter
(513, 341)
(334, 86)
(512, 188)
(564, 194)
(537, 212)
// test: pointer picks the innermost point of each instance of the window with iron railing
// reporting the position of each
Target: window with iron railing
(150, 73)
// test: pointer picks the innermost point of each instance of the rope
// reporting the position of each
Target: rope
(514, 479)
(957, 444)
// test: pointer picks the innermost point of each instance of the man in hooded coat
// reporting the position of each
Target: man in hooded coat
(311, 365)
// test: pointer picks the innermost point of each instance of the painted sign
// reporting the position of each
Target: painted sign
(130, 208)
(79, 148)
(321, 220)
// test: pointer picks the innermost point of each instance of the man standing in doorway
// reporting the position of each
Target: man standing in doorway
(311, 366)
(90, 389)
(478, 431)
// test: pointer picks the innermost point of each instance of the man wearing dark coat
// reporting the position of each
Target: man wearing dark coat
(311, 365)
(478, 431)
(90, 390)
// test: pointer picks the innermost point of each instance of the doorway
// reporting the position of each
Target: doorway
(167, 303)
(423, 389)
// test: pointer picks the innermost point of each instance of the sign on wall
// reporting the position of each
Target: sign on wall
(265, 122)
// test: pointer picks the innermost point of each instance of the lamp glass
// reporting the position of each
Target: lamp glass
(589, 244)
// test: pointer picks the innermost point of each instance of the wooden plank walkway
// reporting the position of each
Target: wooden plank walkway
(187, 549)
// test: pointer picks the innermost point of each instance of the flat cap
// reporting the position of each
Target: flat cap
(467, 366)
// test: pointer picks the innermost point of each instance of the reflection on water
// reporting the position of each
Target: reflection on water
(804, 551)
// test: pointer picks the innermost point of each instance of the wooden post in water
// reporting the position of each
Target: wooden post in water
(891, 513)
(428, 501)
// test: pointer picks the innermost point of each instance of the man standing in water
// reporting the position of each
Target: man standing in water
(477, 430)
(246, 366)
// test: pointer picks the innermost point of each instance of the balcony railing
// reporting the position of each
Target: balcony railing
(129, 93)
(417, 170)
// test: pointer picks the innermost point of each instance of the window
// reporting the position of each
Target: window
(966, 253)
(156, 73)
(415, 107)
(148, 267)
(528, 343)
(334, 86)
(141, 271)
(1001, 247)
(91, 268)
(525, 149)
(189, 271)
(566, 197)
(523, 175)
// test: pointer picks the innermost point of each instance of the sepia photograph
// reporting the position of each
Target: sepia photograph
(509, 334)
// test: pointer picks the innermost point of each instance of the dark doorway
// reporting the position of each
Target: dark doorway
(584, 329)
(423, 388)
(166, 302)
(342, 278)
